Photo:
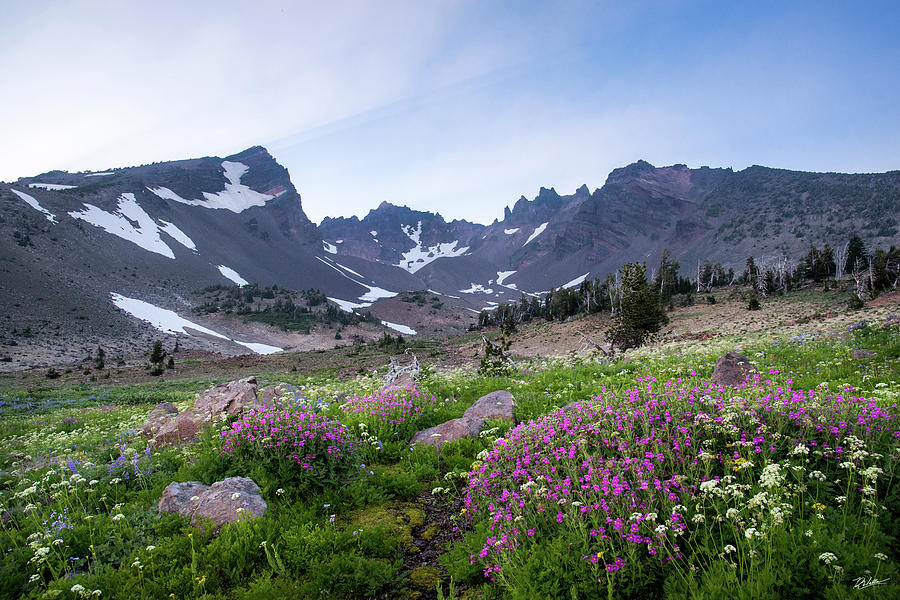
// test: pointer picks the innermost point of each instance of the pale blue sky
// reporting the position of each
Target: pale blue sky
(456, 107)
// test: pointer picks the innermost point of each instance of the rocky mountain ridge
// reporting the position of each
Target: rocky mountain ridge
(88, 257)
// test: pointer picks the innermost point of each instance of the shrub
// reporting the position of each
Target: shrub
(386, 415)
(295, 447)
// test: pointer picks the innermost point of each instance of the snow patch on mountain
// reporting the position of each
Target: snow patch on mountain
(419, 256)
(577, 281)
(231, 274)
(510, 231)
(120, 223)
(52, 186)
(400, 328)
(259, 348)
(346, 305)
(236, 196)
(374, 293)
(178, 235)
(538, 231)
(477, 288)
(30, 201)
(374, 233)
(103, 174)
(168, 321)
(501, 277)
(330, 248)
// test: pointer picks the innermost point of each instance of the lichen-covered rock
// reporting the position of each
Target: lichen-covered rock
(277, 394)
(168, 426)
(732, 370)
(226, 501)
(228, 398)
(158, 418)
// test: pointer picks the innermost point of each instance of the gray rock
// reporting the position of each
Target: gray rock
(862, 353)
(496, 405)
(448, 431)
(227, 501)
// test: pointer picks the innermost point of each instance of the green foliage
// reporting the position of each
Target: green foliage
(641, 312)
(495, 361)
(157, 354)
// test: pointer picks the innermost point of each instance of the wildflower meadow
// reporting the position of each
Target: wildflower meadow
(636, 478)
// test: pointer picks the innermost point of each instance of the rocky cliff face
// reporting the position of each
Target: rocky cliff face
(157, 233)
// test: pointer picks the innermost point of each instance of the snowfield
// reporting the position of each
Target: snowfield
(119, 223)
(52, 186)
(178, 235)
(577, 281)
(30, 201)
(168, 321)
(231, 274)
(501, 277)
(400, 328)
(419, 256)
(477, 288)
(510, 231)
(537, 231)
(374, 293)
(236, 196)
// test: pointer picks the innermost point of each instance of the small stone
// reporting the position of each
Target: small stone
(862, 353)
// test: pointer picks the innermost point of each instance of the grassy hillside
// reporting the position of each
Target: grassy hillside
(659, 484)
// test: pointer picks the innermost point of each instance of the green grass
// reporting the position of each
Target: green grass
(307, 554)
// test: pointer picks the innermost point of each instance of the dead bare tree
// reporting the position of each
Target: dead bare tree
(588, 342)
(861, 277)
(498, 351)
(840, 259)
(396, 370)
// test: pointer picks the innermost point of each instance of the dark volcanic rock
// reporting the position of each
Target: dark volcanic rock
(732, 369)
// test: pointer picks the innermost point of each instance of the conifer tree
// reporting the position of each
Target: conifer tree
(641, 312)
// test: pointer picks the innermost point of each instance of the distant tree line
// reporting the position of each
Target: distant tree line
(635, 301)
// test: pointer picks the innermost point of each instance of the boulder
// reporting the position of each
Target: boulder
(158, 418)
(168, 426)
(448, 431)
(892, 320)
(278, 393)
(496, 405)
(732, 369)
(226, 501)
(862, 353)
(228, 398)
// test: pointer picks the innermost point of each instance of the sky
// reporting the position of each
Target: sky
(452, 107)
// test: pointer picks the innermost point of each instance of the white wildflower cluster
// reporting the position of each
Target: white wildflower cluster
(827, 557)
(817, 476)
(771, 476)
(799, 450)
